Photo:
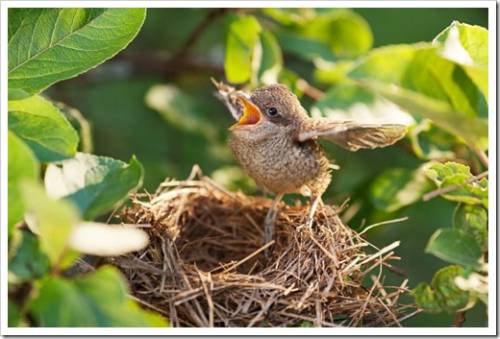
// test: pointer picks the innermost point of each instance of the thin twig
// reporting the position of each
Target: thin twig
(451, 188)
(459, 319)
(383, 223)
(198, 32)
(481, 155)
(310, 90)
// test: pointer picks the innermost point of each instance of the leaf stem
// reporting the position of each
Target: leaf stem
(451, 188)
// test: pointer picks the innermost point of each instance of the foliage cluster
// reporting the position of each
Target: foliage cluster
(47, 46)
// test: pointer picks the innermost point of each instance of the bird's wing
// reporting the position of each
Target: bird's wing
(351, 135)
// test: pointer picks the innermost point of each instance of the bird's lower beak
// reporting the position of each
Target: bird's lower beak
(251, 113)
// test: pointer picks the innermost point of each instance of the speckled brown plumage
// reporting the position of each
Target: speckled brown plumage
(273, 156)
(282, 165)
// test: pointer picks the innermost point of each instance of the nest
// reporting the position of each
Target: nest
(206, 264)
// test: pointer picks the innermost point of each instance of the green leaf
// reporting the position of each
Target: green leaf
(29, 262)
(22, 166)
(443, 294)
(50, 45)
(98, 299)
(425, 297)
(458, 176)
(399, 187)
(14, 317)
(52, 220)
(421, 81)
(43, 127)
(291, 16)
(346, 33)
(432, 143)
(454, 246)
(472, 129)
(331, 73)
(449, 296)
(241, 44)
(467, 45)
(81, 125)
(304, 48)
(472, 220)
(95, 184)
(271, 61)
(348, 101)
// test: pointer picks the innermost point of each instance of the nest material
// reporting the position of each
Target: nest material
(206, 265)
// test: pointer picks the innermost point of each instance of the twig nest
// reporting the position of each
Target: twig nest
(205, 264)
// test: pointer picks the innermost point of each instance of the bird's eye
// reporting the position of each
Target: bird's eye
(272, 111)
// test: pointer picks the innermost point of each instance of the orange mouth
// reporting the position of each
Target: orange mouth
(251, 113)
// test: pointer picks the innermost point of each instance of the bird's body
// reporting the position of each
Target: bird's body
(275, 141)
(272, 154)
(280, 164)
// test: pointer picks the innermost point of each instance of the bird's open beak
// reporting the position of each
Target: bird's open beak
(251, 113)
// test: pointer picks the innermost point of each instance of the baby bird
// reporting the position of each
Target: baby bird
(275, 141)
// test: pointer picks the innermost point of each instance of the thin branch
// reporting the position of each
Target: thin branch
(459, 319)
(451, 188)
(198, 32)
(309, 90)
(482, 156)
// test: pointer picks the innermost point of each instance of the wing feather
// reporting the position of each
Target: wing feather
(351, 135)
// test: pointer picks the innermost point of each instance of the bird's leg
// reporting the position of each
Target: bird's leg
(315, 201)
(271, 218)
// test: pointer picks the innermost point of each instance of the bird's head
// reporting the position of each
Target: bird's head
(266, 111)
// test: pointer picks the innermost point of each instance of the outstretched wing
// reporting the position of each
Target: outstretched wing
(351, 135)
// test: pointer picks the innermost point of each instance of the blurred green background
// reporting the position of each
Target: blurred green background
(191, 128)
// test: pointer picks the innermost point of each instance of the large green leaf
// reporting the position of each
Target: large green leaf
(348, 101)
(95, 184)
(454, 246)
(458, 176)
(472, 220)
(22, 165)
(449, 296)
(271, 61)
(43, 127)
(98, 299)
(467, 45)
(443, 294)
(52, 220)
(426, 84)
(473, 130)
(304, 47)
(50, 45)
(242, 43)
(29, 262)
(346, 33)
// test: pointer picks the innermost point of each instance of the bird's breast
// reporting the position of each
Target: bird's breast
(281, 165)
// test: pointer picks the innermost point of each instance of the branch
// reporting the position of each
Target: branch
(310, 90)
(459, 319)
(451, 188)
(481, 155)
(197, 32)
